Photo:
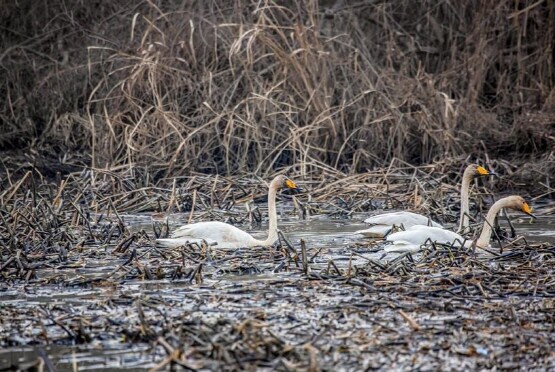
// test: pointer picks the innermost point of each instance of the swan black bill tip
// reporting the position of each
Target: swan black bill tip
(292, 186)
(526, 209)
(481, 171)
(294, 191)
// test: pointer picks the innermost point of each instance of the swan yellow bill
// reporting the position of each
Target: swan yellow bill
(290, 184)
(482, 171)
(526, 209)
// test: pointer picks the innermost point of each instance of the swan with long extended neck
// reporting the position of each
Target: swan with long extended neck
(223, 235)
(412, 239)
(382, 224)
(472, 171)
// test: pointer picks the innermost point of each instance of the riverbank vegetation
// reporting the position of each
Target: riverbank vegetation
(254, 87)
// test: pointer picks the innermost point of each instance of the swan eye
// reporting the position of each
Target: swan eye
(482, 171)
(526, 208)
(290, 184)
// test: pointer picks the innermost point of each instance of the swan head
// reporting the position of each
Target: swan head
(518, 203)
(284, 182)
(475, 170)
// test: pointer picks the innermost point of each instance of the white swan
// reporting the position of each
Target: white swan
(224, 235)
(382, 223)
(471, 171)
(412, 239)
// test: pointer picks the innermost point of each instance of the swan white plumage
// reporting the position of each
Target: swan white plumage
(412, 239)
(383, 223)
(224, 235)
(472, 171)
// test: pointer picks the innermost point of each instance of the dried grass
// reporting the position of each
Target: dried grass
(240, 86)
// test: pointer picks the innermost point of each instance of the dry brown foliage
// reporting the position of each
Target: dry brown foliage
(256, 86)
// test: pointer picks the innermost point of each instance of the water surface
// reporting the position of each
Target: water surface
(333, 239)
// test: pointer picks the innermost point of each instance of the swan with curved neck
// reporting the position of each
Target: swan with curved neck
(223, 235)
(382, 223)
(412, 239)
(471, 172)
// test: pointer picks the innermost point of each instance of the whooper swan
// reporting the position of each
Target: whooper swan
(412, 239)
(382, 223)
(224, 235)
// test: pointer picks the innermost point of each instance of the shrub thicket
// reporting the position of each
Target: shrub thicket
(251, 86)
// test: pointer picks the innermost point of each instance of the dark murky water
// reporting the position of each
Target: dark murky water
(335, 236)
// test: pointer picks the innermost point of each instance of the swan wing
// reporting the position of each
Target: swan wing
(418, 235)
(376, 231)
(402, 246)
(222, 235)
(407, 219)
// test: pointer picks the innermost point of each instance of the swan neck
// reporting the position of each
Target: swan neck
(464, 221)
(485, 236)
(272, 214)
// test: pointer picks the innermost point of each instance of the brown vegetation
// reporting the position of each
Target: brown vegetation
(238, 86)
(112, 109)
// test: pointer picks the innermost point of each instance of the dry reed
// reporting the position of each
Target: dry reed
(241, 86)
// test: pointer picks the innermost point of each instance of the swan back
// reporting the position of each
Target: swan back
(215, 231)
(383, 223)
(408, 219)
(412, 238)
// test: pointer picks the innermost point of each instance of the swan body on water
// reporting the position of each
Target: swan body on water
(413, 238)
(223, 235)
(382, 224)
